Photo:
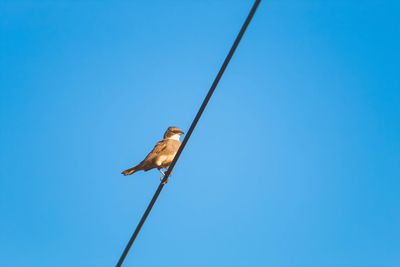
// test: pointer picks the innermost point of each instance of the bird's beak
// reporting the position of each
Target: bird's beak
(181, 132)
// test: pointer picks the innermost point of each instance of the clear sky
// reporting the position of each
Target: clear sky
(295, 162)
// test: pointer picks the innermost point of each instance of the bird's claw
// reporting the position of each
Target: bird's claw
(164, 182)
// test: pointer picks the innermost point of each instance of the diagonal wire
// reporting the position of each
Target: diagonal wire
(190, 131)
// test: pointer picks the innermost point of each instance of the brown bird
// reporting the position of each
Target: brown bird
(162, 154)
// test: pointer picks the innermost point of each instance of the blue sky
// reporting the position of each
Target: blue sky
(295, 162)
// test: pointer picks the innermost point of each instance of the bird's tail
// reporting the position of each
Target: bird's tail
(130, 171)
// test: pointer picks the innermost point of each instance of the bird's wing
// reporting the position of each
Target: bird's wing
(158, 148)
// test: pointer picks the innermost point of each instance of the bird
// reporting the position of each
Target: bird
(162, 154)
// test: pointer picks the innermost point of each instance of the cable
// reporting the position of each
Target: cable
(190, 131)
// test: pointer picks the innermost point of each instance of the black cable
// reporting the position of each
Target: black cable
(190, 131)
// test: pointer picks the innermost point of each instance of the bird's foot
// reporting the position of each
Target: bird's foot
(162, 177)
(164, 182)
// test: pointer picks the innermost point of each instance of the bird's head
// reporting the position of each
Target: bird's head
(173, 133)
